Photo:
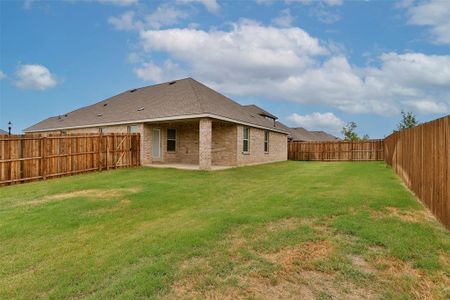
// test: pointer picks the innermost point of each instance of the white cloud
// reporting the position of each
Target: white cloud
(164, 15)
(124, 22)
(265, 2)
(134, 58)
(427, 107)
(154, 73)
(317, 121)
(27, 4)
(333, 2)
(324, 15)
(284, 19)
(288, 64)
(119, 2)
(323, 10)
(35, 77)
(2, 75)
(247, 48)
(326, 2)
(434, 14)
(210, 5)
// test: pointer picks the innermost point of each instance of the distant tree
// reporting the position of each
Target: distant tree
(348, 131)
(408, 121)
(350, 134)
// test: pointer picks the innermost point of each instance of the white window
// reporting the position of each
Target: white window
(266, 141)
(171, 140)
(246, 140)
(133, 129)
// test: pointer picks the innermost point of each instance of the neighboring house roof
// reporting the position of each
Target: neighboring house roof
(180, 99)
(3, 132)
(258, 110)
(301, 134)
(324, 136)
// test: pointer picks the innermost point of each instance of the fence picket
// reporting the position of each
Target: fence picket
(420, 157)
(32, 157)
(336, 151)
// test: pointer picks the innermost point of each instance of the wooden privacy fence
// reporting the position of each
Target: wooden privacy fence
(420, 156)
(336, 151)
(31, 157)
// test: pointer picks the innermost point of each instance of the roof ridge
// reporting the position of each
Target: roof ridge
(199, 102)
(156, 84)
(220, 94)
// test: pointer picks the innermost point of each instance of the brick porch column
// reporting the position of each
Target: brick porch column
(205, 140)
(146, 144)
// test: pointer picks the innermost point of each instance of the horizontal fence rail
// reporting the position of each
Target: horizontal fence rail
(421, 157)
(336, 151)
(25, 158)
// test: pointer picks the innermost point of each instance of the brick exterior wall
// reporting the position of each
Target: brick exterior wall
(256, 154)
(226, 143)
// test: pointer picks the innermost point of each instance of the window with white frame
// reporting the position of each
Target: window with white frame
(246, 140)
(266, 141)
(171, 140)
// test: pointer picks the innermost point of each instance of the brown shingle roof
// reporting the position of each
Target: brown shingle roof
(301, 134)
(259, 111)
(324, 136)
(178, 99)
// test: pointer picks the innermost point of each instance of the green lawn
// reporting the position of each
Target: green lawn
(283, 230)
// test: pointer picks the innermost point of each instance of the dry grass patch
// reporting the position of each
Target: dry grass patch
(256, 286)
(95, 194)
(418, 283)
(328, 286)
(304, 255)
(250, 277)
(415, 216)
(361, 264)
(199, 285)
(284, 224)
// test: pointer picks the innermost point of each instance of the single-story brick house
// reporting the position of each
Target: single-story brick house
(181, 122)
(302, 135)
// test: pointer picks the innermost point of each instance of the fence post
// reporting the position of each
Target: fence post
(351, 150)
(22, 162)
(43, 159)
(99, 149)
(114, 150)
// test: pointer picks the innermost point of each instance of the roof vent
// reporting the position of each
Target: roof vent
(133, 90)
(99, 115)
(172, 82)
(140, 109)
(59, 117)
(66, 115)
(105, 104)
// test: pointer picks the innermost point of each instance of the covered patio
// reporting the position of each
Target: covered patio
(185, 166)
(202, 143)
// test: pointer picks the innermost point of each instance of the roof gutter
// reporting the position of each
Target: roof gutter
(183, 117)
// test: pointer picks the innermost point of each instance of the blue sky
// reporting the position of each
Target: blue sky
(316, 64)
